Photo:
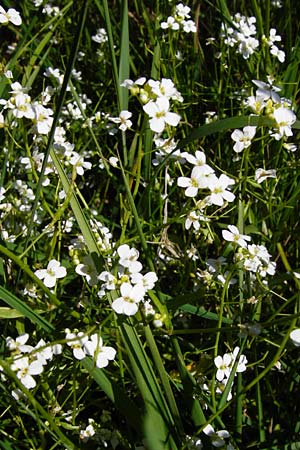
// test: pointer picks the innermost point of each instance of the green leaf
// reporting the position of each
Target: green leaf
(24, 310)
(124, 56)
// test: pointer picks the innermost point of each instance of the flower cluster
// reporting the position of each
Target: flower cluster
(155, 97)
(132, 284)
(242, 35)
(29, 361)
(20, 105)
(268, 102)
(83, 346)
(203, 177)
(270, 41)
(180, 19)
(255, 258)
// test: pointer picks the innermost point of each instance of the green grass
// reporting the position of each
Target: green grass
(162, 389)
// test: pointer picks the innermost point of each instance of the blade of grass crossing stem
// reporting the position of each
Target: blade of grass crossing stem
(18, 305)
(189, 384)
(124, 56)
(164, 378)
(115, 393)
(81, 219)
(158, 418)
(60, 102)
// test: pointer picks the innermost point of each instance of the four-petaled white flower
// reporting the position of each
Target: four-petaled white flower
(219, 192)
(284, 118)
(25, 369)
(223, 365)
(243, 138)
(129, 258)
(233, 235)
(11, 15)
(217, 437)
(262, 174)
(160, 115)
(77, 341)
(52, 273)
(42, 118)
(130, 297)
(123, 120)
(199, 180)
(102, 354)
(79, 163)
(18, 345)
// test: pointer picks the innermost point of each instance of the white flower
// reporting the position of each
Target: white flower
(285, 119)
(233, 235)
(18, 345)
(193, 219)
(273, 37)
(189, 26)
(217, 438)
(26, 369)
(42, 119)
(113, 160)
(147, 281)
(123, 119)
(243, 138)
(295, 337)
(129, 300)
(198, 160)
(280, 55)
(170, 23)
(46, 352)
(11, 15)
(94, 347)
(101, 36)
(247, 46)
(88, 432)
(218, 188)
(80, 164)
(256, 103)
(77, 341)
(160, 114)
(52, 273)
(128, 258)
(290, 146)
(223, 365)
(164, 88)
(262, 174)
(199, 180)
(267, 90)
(182, 11)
